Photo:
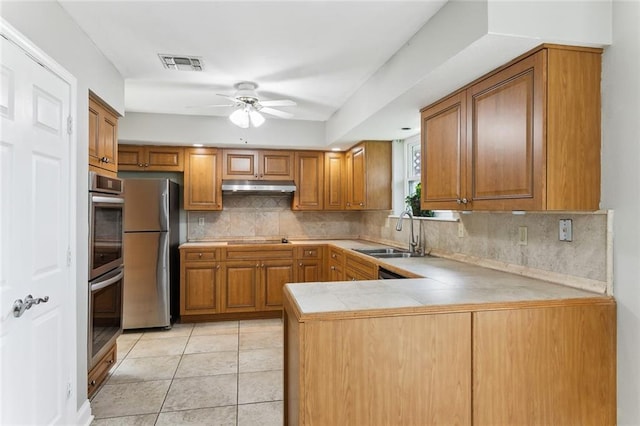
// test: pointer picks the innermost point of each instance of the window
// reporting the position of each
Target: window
(412, 164)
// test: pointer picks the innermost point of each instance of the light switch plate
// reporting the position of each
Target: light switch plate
(565, 233)
(522, 236)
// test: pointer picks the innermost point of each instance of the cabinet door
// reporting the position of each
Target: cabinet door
(336, 272)
(444, 154)
(274, 274)
(202, 186)
(309, 271)
(200, 289)
(506, 168)
(240, 164)
(94, 133)
(356, 179)
(309, 181)
(241, 286)
(334, 181)
(109, 141)
(545, 366)
(131, 158)
(275, 165)
(164, 159)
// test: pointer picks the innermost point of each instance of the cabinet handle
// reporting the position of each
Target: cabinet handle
(361, 204)
(140, 165)
(353, 279)
(218, 267)
(348, 204)
(92, 383)
(146, 164)
(465, 201)
(262, 266)
(199, 254)
(110, 361)
(333, 256)
(257, 265)
(256, 176)
(300, 265)
(458, 201)
(333, 268)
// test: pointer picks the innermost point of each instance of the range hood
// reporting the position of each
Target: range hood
(258, 186)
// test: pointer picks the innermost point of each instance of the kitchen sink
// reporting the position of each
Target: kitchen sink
(388, 253)
(381, 251)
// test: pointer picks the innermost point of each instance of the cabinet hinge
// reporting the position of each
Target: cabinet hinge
(69, 125)
(68, 257)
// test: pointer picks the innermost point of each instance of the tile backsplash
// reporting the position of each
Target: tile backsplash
(491, 238)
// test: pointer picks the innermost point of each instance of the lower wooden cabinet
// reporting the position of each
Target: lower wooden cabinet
(358, 269)
(309, 264)
(200, 276)
(335, 264)
(99, 372)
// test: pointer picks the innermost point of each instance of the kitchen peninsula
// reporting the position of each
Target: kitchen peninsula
(467, 345)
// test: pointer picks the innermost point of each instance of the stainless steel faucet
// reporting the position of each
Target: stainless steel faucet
(413, 243)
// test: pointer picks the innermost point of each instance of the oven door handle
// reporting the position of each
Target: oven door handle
(106, 200)
(107, 283)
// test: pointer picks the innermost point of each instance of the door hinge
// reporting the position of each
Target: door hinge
(68, 257)
(69, 124)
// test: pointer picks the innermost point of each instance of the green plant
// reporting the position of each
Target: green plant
(413, 201)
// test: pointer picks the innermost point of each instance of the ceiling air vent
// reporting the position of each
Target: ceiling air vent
(182, 63)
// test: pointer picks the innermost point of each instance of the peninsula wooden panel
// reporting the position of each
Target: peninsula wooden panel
(412, 370)
(546, 366)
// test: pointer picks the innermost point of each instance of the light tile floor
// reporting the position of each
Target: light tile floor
(222, 373)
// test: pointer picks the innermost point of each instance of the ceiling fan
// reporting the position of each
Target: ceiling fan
(249, 106)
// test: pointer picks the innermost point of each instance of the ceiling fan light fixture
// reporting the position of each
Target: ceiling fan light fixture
(257, 119)
(240, 118)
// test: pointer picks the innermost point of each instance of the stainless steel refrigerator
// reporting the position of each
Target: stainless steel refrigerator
(151, 271)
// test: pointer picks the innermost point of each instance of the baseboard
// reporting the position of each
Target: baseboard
(84, 416)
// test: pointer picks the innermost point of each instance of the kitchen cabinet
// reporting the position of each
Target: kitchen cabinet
(255, 276)
(335, 264)
(244, 164)
(200, 277)
(100, 371)
(368, 168)
(356, 268)
(525, 137)
(309, 180)
(103, 138)
(548, 365)
(310, 263)
(411, 370)
(334, 181)
(150, 158)
(202, 184)
(506, 358)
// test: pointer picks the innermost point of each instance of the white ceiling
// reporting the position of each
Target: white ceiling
(317, 53)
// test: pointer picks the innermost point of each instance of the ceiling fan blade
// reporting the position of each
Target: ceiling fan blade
(231, 98)
(276, 112)
(281, 102)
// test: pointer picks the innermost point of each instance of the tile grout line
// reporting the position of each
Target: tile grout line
(238, 377)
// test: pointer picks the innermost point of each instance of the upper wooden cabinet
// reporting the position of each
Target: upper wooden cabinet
(368, 170)
(335, 181)
(202, 188)
(254, 165)
(309, 180)
(150, 158)
(103, 137)
(526, 137)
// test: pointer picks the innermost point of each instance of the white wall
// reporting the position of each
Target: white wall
(621, 192)
(219, 131)
(50, 28)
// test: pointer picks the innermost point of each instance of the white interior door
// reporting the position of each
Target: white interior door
(37, 349)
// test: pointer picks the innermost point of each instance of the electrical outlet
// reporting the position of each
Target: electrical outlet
(201, 221)
(460, 230)
(522, 236)
(565, 232)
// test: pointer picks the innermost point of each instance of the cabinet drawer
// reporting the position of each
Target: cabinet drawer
(309, 252)
(206, 255)
(364, 269)
(336, 255)
(98, 373)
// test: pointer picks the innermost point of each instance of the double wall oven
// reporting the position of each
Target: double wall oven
(106, 266)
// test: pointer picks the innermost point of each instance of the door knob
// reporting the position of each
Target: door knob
(20, 306)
